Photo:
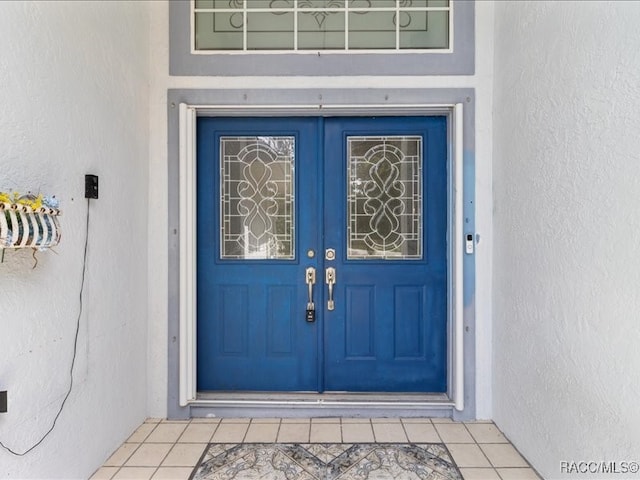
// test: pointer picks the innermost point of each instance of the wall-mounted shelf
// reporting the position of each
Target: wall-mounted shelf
(23, 227)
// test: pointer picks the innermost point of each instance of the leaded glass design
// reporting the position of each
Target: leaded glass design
(257, 197)
(384, 197)
(299, 25)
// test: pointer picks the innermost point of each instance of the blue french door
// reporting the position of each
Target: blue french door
(385, 214)
(256, 211)
(362, 204)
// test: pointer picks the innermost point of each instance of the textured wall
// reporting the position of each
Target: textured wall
(567, 247)
(160, 81)
(74, 96)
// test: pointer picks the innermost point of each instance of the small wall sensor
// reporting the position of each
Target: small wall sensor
(3, 401)
(90, 186)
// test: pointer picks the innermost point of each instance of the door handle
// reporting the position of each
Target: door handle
(310, 279)
(331, 281)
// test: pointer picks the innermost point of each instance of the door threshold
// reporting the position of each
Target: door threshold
(315, 405)
(310, 399)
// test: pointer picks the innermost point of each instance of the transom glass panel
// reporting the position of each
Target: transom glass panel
(298, 25)
(257, 197)
(384, 197)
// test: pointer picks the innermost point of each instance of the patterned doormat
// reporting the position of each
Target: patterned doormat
(333, 461)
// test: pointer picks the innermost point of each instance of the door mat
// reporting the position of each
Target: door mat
(327, 461)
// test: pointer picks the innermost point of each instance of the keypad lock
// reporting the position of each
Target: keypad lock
(310, 315)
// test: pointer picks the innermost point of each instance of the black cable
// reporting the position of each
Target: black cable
(75, 351)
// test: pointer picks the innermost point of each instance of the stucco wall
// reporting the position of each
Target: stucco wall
(74, 96)
(161, 81)
(567, 248)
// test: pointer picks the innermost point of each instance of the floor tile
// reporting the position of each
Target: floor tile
(479, 474)
(262, 432)
(104, 473)
(486, 433)
(230, 433)
(169, 420)
(325, 433)
(141, 433)
(134, 473)
(172, 473)
(153, 420)
(421, 432)
(213, 420)
(184, 455)
(441, 420)
(325, 420)
(389, 433)
(518, 474)
(166, 433)
(296, 420)
(236, 420)
(294, 433)
(385, 420)
(357, 433)
(121, 455)
(503, 455)
(149, 455)
(468, 455)
(356, 420)
(416, 420)
(454, 433)
(198, 433)
(265, 420)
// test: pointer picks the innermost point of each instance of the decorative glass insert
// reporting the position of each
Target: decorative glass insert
(257, 197)
(339, 25)
(384, 197)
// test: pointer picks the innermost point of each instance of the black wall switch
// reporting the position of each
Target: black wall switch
(90, 186)
(3, 402)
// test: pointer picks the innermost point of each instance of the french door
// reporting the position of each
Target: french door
(321, 254)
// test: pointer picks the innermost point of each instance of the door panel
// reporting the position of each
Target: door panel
(251, 329)
(386, 214)
(272, 190)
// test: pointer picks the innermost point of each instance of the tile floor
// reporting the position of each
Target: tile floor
(169, 450)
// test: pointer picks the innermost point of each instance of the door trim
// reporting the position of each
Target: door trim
(461, 385)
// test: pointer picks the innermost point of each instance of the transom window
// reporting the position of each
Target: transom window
(321, 25)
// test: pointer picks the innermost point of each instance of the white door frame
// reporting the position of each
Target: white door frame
(187, 115)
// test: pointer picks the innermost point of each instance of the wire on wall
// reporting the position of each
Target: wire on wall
(75, 350)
